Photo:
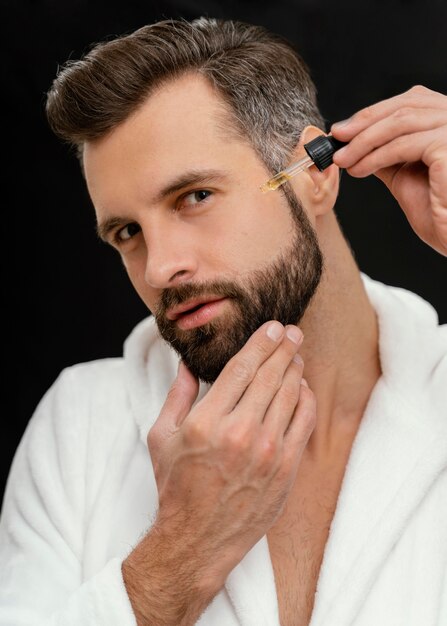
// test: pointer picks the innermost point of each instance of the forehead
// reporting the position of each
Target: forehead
(185, 118)
(189, 102)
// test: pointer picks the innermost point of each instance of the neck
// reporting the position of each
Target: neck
(340, 349)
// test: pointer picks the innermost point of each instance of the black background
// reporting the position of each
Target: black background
(71, 300)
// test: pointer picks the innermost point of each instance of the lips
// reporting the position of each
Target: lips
(188, 307)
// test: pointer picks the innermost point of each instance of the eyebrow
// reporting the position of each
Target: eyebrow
(189, 178)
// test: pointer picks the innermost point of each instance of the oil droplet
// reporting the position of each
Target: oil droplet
(275, 182)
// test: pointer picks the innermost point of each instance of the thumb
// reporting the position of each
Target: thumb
(181, 396)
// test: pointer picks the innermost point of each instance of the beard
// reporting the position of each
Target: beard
(280, 290)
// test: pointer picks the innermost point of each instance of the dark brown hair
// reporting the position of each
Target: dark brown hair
(262, 79)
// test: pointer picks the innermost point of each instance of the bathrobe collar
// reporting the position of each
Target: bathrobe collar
(398, 452)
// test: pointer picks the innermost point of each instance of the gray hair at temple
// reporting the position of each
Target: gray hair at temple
(265, 84)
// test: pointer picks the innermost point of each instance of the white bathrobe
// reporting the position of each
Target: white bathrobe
(81, 492)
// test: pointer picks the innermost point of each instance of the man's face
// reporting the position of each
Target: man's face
(179, 197)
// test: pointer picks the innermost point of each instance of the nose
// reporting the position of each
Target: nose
(170, 260)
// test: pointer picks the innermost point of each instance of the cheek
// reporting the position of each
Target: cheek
(265, 236)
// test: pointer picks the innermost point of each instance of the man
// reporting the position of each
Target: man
(226, 521)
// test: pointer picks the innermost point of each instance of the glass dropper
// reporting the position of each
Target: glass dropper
(319, 152)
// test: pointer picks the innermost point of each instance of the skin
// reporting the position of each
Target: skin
(403, 142)
(245, 441)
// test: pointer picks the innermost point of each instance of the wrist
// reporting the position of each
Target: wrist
(205, 554)
(168, 581)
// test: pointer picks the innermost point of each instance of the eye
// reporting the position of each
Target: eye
(127, 232)
(195, 197)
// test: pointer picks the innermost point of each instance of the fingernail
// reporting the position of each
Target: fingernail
(304, 382)
(275, 331)
(341, 123)
(179, 366)
(294, 334)
(298, 359)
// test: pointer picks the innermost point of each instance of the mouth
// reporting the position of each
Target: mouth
(190, 306)
(196, 312)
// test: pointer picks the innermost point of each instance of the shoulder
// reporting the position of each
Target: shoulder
(403, 314)
(80, 386)
(393, 299)
(93, 400)
(86, 406)
(413, 346)
(85, 382)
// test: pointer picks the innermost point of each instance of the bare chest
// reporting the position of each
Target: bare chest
(296, 543)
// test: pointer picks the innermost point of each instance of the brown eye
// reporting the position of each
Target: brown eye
(195, 197)
(128, 232)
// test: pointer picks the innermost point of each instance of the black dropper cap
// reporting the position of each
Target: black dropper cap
(321, 150)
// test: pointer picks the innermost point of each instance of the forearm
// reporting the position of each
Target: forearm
(169, 581)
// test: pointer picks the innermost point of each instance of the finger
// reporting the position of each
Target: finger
(424, 146)
(404, 121)
(302, 423)
(240, 370)
(181, 396)
(269, 379)
(390, 175)
(283, 405)
(418, 97)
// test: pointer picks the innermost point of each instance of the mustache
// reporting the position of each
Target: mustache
(178, 295)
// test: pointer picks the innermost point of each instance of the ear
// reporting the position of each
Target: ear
(316, 190)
